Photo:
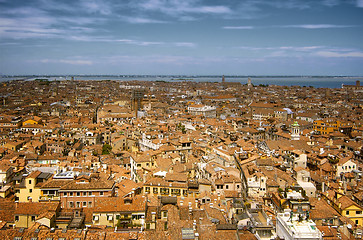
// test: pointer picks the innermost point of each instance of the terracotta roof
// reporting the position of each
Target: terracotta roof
(92, 184)
(7, 209)
(346, 202)
(35, 208)
(55, 183)
(320, 209)
(155, 181)
(118, 204)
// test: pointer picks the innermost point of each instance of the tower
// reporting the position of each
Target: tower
(249, 83)
(136, 100)
(295, 131)
(223, 79)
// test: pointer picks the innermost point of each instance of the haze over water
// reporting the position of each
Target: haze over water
(314, 81)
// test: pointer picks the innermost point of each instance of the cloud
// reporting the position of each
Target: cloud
(68, 61)
(33, 22)
(331, 3)
(96, 6)
(184, 44)
(239, 27)
(130, 41)
(77, 62)
(360, 3)
(332, 54)
(141, 20)
(317, 26)
(287, 48)
(180, 8)
(304, 51)
(303, 26)
(166, 59)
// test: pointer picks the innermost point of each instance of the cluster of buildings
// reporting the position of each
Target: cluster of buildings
(179, 160)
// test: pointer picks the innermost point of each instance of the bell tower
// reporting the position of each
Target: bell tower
(295, 131)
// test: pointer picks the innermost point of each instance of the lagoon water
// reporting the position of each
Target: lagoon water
(314, 81)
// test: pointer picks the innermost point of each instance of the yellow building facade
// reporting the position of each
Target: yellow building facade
(326, 127)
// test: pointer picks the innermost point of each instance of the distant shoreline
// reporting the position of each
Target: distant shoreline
(314, 81)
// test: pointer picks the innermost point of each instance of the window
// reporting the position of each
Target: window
(65, 194)
(147, 189)
(71, 204)
(16, 218)
(185, 193)
(89, 204)
(30, 190)
(30, 181)
(78, 194)
(155, 190)
(84, 193)
(101, 193)
(95, 217)
(33, 218)
(137, 217)
(71, 194)
(357, 222)
(346, 212)
(109, 217)
(175, 191)
(84, 204)
(165, 214)
(78, 204)
(358, 212)
(227, 186)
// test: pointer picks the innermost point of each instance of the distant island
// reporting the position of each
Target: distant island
(182, 79)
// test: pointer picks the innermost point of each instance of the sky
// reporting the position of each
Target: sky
(186, 37)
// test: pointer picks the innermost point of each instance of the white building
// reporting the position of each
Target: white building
(257, 185)
(303, 179)
(206, 111)
(146, 143)
(291, 226)
(345, 165)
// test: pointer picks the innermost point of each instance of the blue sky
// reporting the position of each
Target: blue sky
(240, 37)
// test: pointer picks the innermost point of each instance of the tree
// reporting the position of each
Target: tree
(106, 149)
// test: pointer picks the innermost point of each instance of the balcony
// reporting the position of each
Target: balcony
(47, 198)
